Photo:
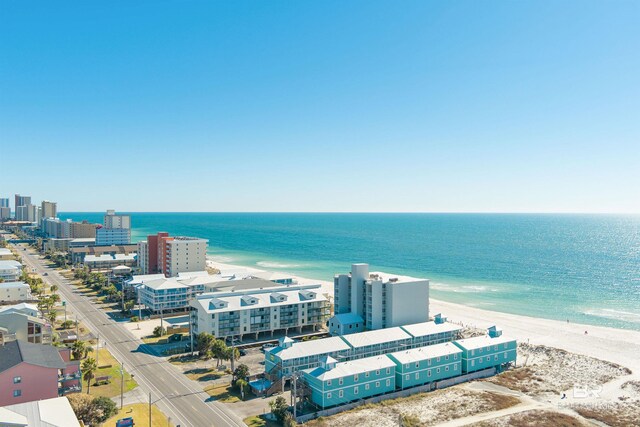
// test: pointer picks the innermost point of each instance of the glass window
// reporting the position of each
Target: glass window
(366, 386)
(356, 390)
(328, 395)
(17, 393)
(388, 383)
(417, 375)
(341, 393)
(328, 382)
(340, 381)
(437, 370)
(429, 373)
(388, 371)
(406, 377)
(417, 364)
(355, 377)
(17, 380)
(366, 374)
(377, 383)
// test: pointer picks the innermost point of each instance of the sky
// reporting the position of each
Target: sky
(412, 106)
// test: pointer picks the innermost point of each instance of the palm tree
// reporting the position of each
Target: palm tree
(242, 385)
(232, 354)
(79, 349)
(54, 288)
(89, 368)
(52, 316)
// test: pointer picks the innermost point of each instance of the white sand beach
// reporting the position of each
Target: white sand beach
(618, 346)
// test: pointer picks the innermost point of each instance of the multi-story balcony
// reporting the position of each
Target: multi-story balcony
(71, 389)
(70, 377)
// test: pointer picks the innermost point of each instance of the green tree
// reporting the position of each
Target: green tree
(288, 420)
(204, 342)
(219, 350)
(52, 316)
(89, 368)
(242, 386)
(232, 354)
(106, 407)
(79, 349)
(279, 408)
(159, 331)
(241, 372)
(53, 288)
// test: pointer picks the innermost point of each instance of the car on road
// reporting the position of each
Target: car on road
(45, 274)
(242, 352)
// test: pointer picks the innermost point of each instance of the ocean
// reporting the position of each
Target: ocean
(581, 268)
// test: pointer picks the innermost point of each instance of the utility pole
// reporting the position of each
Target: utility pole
(98, 351)
(64, 304)
(121, 384)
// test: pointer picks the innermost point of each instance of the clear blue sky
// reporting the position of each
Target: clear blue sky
(508, 106)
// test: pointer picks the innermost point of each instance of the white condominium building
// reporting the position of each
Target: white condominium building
(116, 230)
(183, 255)
(368, 301)
(255, 311)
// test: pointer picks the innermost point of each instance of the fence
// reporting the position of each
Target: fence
(436, 385)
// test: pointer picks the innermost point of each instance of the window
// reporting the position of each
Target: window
(340, 381)
(388, 383)
(406, 377)
(329, 395)
(429, 373)
(437, 370)
(446, 357)
(446, 368)
(366, 386)
(355, 377)
(341, 393)
(328, 382)
(455, 357)
(488, 358)
(377, 383)
(388, 371)
(356, 390)
(417, 375)
(406, 366)
(505, 355)
(377, 371)
(17, 393)
(495, 357)
(417, 364)
(429, 362)
(17, 380)
(473, 362)
(366, 374)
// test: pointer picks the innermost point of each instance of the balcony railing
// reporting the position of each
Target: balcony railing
(69, 377)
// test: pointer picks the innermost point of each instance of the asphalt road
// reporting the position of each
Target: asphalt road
(176, 395)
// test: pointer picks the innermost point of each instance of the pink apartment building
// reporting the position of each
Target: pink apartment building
(31, 372)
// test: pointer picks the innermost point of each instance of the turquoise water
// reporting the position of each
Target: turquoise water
(585, 268)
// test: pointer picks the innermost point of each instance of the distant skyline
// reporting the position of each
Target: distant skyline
(457, 106)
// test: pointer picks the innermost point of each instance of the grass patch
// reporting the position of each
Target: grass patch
(140, 414)
(615, 415)
(533, 419)
(223, 393)
(258, 421)
(184, 359)
(150, 339)
(204, 374)
(113, 388)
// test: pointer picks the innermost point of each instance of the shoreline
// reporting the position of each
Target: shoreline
(620, 346)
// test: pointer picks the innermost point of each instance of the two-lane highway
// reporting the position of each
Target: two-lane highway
(179, 397)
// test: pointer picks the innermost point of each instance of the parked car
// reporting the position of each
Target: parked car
(242, 352)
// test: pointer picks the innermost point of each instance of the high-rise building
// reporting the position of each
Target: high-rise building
(49, 209)
(116, 230)
(22, 213)
(364, 301)
(21, 201)
(5, 213)
(4, 202)
(143, 256)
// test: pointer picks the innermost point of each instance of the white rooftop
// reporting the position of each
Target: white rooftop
(23, 307)
(164, 283)
(142, 278)
(357, 366)
(56, 412)
(9, 263)
(423, 353)
(109, 257)
(429, 328)
(5, 251)
(483, 341)
(348, 318)
(379, 336)
(310, 348)
(220, 302)
(13, 285)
